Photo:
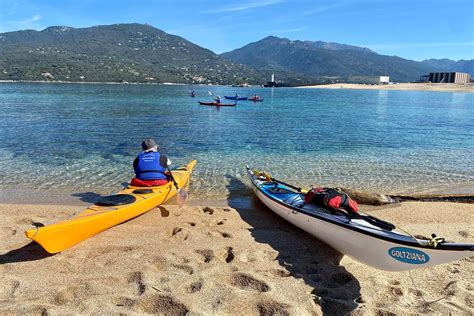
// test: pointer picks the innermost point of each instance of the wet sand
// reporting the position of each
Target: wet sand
(223, 257)
(440, 87)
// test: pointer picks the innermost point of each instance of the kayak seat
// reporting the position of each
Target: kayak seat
(115, 200)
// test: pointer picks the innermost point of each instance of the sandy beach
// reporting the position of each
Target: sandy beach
(223, 257)
(440, 87)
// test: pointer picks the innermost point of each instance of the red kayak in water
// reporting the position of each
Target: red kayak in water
(255, 99)
(216, 103)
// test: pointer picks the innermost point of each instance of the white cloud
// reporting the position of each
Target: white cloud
(297, 29)
(246, 6)
(35, 18)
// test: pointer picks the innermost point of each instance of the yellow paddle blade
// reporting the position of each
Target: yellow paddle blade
(181, 197)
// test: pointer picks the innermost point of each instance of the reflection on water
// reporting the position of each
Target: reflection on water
(85, 136)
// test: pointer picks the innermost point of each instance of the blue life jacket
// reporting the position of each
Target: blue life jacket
(149, 167)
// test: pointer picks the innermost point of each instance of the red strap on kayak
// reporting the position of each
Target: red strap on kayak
(148, 183)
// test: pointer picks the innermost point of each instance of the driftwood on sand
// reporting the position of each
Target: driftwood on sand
(370, 198)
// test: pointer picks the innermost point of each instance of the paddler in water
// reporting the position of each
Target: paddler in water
(217, 99)
(150, 166)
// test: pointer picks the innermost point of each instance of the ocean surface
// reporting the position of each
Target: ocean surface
(84, 137)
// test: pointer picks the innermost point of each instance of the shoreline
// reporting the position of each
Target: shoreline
(438, 87)
(435, 87)
(55, 196)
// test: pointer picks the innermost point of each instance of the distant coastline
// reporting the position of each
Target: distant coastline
(439, 87)
(97, 82)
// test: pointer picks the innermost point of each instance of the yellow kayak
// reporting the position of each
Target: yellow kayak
(110, 211)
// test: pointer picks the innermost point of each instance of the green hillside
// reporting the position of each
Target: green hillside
(114, 53)
(320, 60)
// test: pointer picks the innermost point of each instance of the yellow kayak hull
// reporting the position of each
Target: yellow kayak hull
(60, 236)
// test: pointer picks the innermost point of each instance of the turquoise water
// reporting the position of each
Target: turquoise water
(83, 137)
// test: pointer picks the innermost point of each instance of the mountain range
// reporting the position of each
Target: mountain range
(144, 54)
(114, 53)
(460, 66)
(330, 61)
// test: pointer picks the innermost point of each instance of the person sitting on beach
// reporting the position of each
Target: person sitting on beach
(150, 166)
(217, 99)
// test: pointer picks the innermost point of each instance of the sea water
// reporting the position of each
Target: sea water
(84, 137)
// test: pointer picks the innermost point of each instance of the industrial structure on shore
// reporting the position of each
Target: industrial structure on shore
(446, 77)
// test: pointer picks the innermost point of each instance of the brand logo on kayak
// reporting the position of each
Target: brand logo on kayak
(408, 255)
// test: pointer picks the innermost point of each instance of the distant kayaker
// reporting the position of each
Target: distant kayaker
(193, 93)
(150, 166)
(217, 99)
(236, 95)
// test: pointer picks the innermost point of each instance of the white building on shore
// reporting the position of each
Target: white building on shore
(369, 79)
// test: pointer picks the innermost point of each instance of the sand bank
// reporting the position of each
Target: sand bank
(224, 257)
(440, 87)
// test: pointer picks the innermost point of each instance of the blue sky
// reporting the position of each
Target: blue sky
(412, 29)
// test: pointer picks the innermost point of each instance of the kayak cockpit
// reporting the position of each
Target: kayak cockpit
(116, 200)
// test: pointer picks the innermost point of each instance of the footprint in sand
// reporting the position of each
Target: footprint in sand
(247, 282)
(6, 231)
(71, 293)
(280, 273)
(159, 263)
(25, 220)
(394, 282)
(396, 291)
(136, 278)
(206, 253)
(162, 304)
(227, 254)
(194, 287)
(230, 255)
(208, 210)
(180, 233)
(267, 308)
(125, 302)
(164, 212)
(8, 289)
(184, 267)
(220, 234)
